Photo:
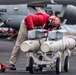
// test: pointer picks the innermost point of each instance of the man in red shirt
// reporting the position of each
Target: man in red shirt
(31, 21)
(40, 19)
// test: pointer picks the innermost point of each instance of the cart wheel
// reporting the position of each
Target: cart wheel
(58, 66)
(40, 66)
(31, 62)
(66, 64)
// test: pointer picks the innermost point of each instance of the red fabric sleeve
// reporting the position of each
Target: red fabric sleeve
(30, 22)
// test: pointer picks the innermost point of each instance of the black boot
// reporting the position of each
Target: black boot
(12, 67)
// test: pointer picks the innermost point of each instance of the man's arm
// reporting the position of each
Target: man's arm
(30, 22)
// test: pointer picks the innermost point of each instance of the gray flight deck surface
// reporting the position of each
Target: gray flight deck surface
(5, 52)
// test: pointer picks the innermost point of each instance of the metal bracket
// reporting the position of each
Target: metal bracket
(67, 53)
(52, 1)
(45, 62)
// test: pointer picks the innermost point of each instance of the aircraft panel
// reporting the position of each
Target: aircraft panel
(37, 1)
(17, 9)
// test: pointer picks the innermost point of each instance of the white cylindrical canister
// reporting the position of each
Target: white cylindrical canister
(72, 43)
(58, 45)
(30, 45)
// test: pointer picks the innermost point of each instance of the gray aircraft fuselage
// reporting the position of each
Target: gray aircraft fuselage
(16, 13)
(37, 1)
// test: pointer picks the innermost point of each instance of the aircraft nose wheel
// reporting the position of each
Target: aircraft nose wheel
(58, 65)
(66, 64)
(31, 62)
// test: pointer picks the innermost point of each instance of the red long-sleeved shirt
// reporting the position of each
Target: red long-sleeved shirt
(33, 20)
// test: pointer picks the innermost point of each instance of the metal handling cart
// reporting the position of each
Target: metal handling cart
(48, 49)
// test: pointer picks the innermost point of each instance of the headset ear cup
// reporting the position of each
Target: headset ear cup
(48, 23)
